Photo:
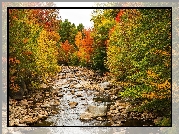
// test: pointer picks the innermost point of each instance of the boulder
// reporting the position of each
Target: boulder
(97, 110)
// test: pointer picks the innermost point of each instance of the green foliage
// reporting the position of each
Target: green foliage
(74, 60)
(67, 31)
(164, 122)
(32, 48)
(139, 50)
(103, 22)
(139, 56)
(98, 59)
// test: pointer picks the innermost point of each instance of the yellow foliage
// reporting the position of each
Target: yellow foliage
(162, 52)
(151, 74)
(165, 85)
(78, 39)
(46, 56)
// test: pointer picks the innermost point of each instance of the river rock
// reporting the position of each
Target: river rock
(45, 105)
(28, 120)
(112, 108)
(78, 86)
(97, 110)
(96, 93)
(47, 94)
(38, 96)
(72, 91)
(79, 95)
(41, 116)
(105, 85)
(21, 125)
(73, 104)
(55, 103)
(60, 95)
(86, 116)
(24, 102)
(99, 118)
(121, 107)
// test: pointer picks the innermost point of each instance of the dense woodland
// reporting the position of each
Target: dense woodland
(133, 46)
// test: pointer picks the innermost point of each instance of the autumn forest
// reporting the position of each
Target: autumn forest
(132, 47)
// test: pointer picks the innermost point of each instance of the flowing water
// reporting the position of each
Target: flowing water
(70, 116)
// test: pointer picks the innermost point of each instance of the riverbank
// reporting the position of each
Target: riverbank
(68, 100)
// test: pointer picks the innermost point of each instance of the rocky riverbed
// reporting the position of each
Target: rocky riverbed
(77, 97)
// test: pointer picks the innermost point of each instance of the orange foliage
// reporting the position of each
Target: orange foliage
(84, 44)
(67, 48)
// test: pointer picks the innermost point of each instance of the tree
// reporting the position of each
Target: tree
(32, 46)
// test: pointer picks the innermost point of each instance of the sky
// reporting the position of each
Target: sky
(76, 16)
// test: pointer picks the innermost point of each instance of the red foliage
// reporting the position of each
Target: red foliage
(119, 15)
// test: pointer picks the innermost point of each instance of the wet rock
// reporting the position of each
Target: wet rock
(99, 119)
(79, 95)
(21, 125)
(16, 121)
(72, 92)
(96, 93)
(47, 94)
(97, 110)
(116, 118)
(78, 86)
(24, 102)
(11, 123)
(54, 112)
(121, 107)
(73, 104)
(38, 104)
(60, 95)
(112, 108)
(105, 85)
(41, 116)
(28, 120)
(66, 86)
(86, 116)
(38, 96)
(45, 105)
(55, 103)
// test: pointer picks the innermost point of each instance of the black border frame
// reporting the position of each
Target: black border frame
(78, 8)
